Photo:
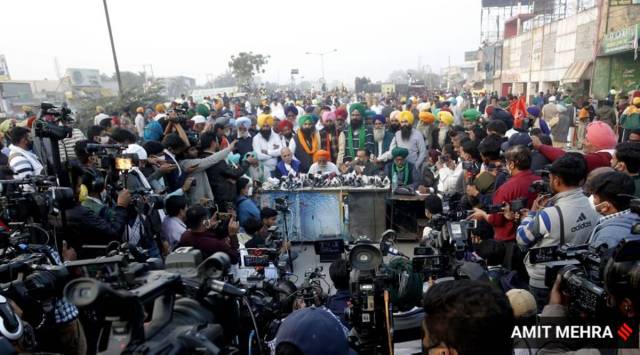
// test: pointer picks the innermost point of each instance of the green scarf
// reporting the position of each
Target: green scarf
(361, 136)
(404, 170)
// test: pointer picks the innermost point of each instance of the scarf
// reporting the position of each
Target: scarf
(32, 158)
(305, 146)
(327, 142)
(361, 139)
(404, 170)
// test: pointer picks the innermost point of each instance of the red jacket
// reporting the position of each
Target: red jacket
(210, 244)
(594, 160)
(515, 188)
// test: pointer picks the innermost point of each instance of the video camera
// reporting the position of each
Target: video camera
(45, 128)
(542, 186)
(582, 271)
(20, 204)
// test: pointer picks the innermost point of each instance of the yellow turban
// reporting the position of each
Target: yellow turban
(445, 117)
(427, 117)
(406, 115)
(160, 108)
(264, 118)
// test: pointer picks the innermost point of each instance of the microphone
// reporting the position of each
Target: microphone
(227, 289)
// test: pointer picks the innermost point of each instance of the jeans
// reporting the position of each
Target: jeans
(541, 295)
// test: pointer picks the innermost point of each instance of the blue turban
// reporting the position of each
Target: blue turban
(292, 109)
(378, 118)
(534, 111)
(244, 122)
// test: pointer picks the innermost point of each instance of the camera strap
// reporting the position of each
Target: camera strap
(561, 224)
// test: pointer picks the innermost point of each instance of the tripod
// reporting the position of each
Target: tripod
(285, 212)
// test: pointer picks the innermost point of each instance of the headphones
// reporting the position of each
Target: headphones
(93, 180)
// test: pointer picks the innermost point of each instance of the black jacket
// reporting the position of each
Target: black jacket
(223, 189)
(84, 227)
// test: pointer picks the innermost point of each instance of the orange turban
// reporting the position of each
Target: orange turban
(427, 117)
(321, 154)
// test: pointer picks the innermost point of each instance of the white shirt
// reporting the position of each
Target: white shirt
(448, 178)
(159, 116)
(324, 170)
(291, 144)
(139, 121)
(99, 117)
(271, 146)
(171, 230)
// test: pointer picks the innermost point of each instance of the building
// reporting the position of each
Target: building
(13, 95)
(177, 85)
(617, 65)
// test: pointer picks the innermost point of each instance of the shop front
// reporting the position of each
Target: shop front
(618, 63)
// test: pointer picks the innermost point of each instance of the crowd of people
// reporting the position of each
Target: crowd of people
(208, 160)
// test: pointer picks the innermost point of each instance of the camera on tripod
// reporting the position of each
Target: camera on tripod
(49, 128)
(282, 204)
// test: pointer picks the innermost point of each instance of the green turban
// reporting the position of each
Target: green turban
(503, 104)
(568, 100)
(305, 118)
(202, 110)
(400, 152)
(471, 114)
(360, 108)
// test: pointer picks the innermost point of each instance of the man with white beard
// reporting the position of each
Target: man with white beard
(381, 137)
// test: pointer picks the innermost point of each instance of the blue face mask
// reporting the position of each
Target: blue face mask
(233, 158)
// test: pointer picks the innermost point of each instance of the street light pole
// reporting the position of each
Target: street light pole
(113, 48)
(321, 54)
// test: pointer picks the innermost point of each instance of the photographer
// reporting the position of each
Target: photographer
(221, 176)
(22, 161)
(466, 317)
(173, 225)
(311, 331)
(209, 235)
(568, 218)
(518, 162)
(612, 193)
(491, 175)
(340, 301)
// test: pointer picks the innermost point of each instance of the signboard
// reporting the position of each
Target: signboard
(84, 77)
(470, 56)
(4, 69)
(504, 3)
(295, 71)
(624, 2)
(623, 40)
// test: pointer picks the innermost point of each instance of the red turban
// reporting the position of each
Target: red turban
(285, 123)
(321, 154)
(341, 112)
(489, 110)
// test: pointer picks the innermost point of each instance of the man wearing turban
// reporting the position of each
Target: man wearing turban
(329, 135)
(285, 127)
(411, 139)
(244, 138)
(399, 170)
(307, 142)
(355, 136)
(425, 125)
(379, 134)
(267, 144)
(341, 118)
(322, 165)
(292, 114)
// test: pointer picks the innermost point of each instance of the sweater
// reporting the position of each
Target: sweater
(202, 187)
(594, 160)
(544, 228)
(416, 146)
(209, 244)
(515, 188)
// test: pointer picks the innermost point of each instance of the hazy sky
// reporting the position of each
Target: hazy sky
(196, 38)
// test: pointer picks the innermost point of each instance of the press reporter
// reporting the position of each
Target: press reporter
(210, 234)
(565, 217)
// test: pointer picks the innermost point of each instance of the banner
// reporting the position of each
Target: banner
(4, 69)
(624, 2)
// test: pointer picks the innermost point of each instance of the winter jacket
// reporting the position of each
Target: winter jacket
(223, 190)
(630, 118)
(566, 116)
(87, 228)
(611, 229)
(594, 160)
(209, 244)
(608, 115)
(202, 187)
(570, 209)
(246, 209)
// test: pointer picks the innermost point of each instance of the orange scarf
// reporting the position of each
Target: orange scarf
(303, 142)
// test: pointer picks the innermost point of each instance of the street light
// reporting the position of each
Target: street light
(321, 54)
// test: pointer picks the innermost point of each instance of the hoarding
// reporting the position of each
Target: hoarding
(84, 77)
(4, 69)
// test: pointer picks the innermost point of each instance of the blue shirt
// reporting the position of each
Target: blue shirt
(338, 303)
(246, 209)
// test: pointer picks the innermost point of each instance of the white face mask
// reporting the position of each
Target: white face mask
(104, 140)
(250, 192)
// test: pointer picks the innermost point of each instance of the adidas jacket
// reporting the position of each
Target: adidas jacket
(570, 208)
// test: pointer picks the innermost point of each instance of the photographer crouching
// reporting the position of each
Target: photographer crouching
(565, 217)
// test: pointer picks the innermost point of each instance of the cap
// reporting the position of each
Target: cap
(136, 149)
(198, 119)
(315, 331)
(522, 302)
(517, 139)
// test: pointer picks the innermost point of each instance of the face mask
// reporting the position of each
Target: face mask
(30, 145)
(227, 132)
(104, 140)
(103, 196)
(599, 207)
(250, 192)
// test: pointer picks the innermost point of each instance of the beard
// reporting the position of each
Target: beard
(405, 131)
(307, 132)
(355, 124)
(265, 134)
(288, 135)
(394, 127)
(378, 134)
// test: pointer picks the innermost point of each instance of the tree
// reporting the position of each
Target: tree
(245, 66)
(361, 83)
(130, 80)
(224, 80)
(85, 108)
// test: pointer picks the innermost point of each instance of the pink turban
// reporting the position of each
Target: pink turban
(328, 116)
